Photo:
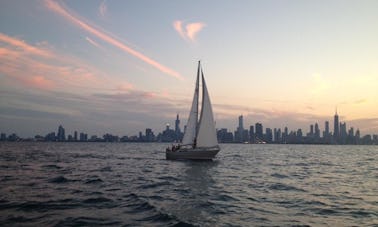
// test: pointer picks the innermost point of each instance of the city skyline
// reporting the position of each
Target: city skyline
(116, 66)
(341, 134)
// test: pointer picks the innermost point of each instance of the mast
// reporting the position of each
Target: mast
(192, 125)
(197, 92)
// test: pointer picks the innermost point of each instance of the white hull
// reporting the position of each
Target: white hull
(193, 154)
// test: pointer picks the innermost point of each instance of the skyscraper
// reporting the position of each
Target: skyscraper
(177, 129)
(241, 122)
(326, 129)
(259, 131)
(61, 133)
(239, 134)
(251, 134)
(317, 131)
(336, 131)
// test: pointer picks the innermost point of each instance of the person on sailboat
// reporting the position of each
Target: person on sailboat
(194, 143)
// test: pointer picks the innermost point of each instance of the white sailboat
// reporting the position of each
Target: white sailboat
(199, 141)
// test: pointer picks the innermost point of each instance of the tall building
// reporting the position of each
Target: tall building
(317, 131)
(336, 129)
(61, 133)
(177, 129)
(150, 137)
(268, 135)
(3, 137)
(239, 134)
(241, 122)
(259, 131)
(343, 133)
(311, 134)
(251, 134)
(326, 129)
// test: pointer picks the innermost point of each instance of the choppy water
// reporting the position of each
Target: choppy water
(89, 184)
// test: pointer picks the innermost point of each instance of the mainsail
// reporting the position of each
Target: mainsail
(191, 126)
(206, 136)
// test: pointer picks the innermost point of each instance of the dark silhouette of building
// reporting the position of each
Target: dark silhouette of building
(61, 133)
(239, 133)
(3, 137)
(252, 134)
(178, 133)
(150, 137)
(336, 131)
(259, 131)
(224, 136)
(168, 135)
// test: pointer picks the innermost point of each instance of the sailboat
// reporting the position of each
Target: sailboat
(199, 141)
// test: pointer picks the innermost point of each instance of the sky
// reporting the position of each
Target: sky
(114, 66)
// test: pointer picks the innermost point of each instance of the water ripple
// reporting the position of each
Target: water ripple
(118, 184)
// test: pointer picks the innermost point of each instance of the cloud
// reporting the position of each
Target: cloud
(34, 66)
(21, 45)
(57, 8)
(103, 9)
(189, 33)
(125, 87)
(93, 42)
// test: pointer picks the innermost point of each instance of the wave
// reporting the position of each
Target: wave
(285, 187)
(58, 180)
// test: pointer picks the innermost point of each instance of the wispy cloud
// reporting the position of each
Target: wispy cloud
(58, 8)
(26, 48)
(190, 31)
(103, 9)
(42, 68)
(94, 43)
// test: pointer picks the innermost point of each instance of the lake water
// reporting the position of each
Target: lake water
(126, 184)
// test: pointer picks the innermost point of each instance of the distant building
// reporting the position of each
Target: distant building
(168, 135)
(178, 133)
(336, 131)
(239, 133)
(3, 137)
(150, 137)
(224, 136)
(259, 131)
(251, 134)
(61, 133)
(317, 132)
(268, 135)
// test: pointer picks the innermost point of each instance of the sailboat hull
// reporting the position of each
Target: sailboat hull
(193, 154)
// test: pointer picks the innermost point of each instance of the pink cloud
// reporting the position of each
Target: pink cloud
(24, 46)
(20, 60)
(56, 7)
(178, 27)
(191, 30)
(41, 82)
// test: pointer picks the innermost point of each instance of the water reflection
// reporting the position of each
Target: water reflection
(198, 185)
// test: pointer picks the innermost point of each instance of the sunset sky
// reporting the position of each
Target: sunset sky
(114, 66)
